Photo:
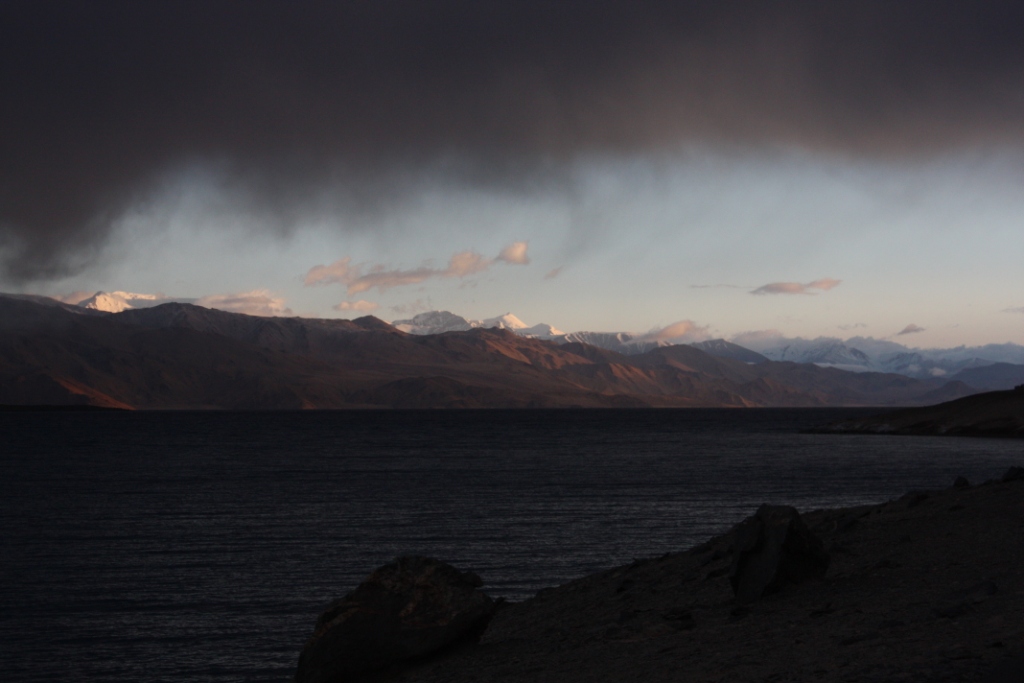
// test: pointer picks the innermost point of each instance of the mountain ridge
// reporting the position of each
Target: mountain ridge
(179, 355)
(859, 354)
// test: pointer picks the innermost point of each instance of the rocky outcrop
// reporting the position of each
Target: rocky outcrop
(408, 609)
(773, 548)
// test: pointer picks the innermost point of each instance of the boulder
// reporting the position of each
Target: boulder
(410, 608)
(772, 548)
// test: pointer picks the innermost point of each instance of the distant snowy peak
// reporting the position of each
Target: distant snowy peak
(513, 324)
(620, 342)
(433, 322)
(438, 322)
(115, 302)
(540, 331)
(604, 340)
(879, 355)
(827, 352)
(502, 322)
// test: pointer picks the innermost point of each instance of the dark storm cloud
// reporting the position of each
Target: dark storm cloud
(100, 98)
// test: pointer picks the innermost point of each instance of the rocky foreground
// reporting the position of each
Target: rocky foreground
(992, 414)
(929, 587)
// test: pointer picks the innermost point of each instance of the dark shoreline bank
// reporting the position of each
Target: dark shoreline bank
(995, 414)
(925, 588)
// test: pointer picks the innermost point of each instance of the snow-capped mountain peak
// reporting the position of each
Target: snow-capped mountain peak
(438, 322)
(503, 322)
(115, 302)
(433, 322)
(541, 331)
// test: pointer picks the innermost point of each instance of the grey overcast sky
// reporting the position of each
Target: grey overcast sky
(810, 167)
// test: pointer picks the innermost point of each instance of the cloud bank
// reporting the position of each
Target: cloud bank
(256, 302)
(361, 306)
(823, 285)
(360, 278)
(297, 100)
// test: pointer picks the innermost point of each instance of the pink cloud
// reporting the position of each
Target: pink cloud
(357, 278)
(515, 253)
(824, 284)
(339, 271)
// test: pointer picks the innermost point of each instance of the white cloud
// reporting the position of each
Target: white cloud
(256, 302)
(680, 332)
(824, 284)
(361, 306)
(910, 329)
(358, 278)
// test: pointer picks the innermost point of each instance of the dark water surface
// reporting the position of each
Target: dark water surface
(202, 546)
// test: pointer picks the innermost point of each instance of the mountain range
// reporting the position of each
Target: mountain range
(1005, 362)
(177, 356)
(856, 354)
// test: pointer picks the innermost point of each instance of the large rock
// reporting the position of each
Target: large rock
(772, 548)
(410, 608)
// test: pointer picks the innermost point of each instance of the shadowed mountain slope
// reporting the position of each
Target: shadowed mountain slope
(992, 377)
(726, 349)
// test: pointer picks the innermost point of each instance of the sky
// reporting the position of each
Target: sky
(851, 168)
